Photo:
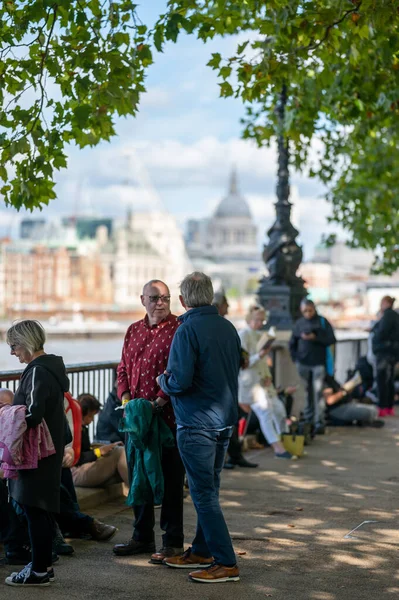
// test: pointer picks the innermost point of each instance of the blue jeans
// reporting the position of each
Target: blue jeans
(203, 454)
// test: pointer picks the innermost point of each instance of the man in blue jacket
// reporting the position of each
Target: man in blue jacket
(202, 381)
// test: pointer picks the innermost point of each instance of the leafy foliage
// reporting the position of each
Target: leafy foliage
(67, 68)
(339, 60)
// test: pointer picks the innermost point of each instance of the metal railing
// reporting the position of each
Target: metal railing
(98, 378)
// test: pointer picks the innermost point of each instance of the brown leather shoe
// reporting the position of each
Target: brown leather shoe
(102, 532)
(165, 552)
(216, 574)
(188, 560)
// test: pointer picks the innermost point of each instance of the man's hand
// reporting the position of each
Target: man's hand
(264, 351)
(125, 396)
(108, 448)
(157, 379)
(290, 390)
(69, 458)
(308, 337)
(161, 401)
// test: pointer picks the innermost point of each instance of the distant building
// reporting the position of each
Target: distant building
(225, 245)
(51, 278)
(148, 246)
(337, 273)
(32, 229)
(87, 227)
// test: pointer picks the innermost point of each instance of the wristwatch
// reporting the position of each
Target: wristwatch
(156, 408)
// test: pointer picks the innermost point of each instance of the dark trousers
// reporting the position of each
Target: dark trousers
(385, 381)
(40, 527)
(13, 532)
(203, 454)
(234, 449)
(70, 519)
(172, 505)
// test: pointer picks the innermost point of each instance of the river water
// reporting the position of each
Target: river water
(72, 350)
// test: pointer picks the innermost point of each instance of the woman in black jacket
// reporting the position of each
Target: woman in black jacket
(41, 390)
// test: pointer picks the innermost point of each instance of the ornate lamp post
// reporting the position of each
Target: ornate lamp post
(281, 291)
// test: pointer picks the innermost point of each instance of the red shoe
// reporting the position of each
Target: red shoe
(242, 423)
(383, 412)
(391, 412)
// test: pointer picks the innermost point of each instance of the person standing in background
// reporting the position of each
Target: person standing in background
(385, 345)
(234, 450)
(311, 337)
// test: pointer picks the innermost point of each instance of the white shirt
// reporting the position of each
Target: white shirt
(258, 369)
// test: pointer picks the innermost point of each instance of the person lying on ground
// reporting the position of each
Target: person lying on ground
(342, 409)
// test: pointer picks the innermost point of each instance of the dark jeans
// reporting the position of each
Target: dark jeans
(70, 519)
(172, 505)
(40, 526)
(313, 378)
(13, 532)
(203, 454)
(385, 381)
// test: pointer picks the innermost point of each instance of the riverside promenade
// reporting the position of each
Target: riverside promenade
(289, 522)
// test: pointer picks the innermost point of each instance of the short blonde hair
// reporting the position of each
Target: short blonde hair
(28, 333)
(253, 310)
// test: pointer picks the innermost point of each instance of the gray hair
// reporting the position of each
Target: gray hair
(197, 290)
(219, 298)
(29, 334)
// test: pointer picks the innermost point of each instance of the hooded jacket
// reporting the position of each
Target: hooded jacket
(311, 353)
(109, 420)
(41, 390)
(386, 335)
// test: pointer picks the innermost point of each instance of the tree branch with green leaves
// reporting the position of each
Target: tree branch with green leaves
(68, 69)
(339, 61)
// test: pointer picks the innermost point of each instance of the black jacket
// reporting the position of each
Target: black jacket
(386, 335)
(41, 390)
(87, 455)
(109, 419)
(311, 353)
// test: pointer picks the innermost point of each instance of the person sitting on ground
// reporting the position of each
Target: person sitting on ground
(342, 409)
(256, 390)
(99, 466)
(252, 426)
(234, 451)
(109, 420)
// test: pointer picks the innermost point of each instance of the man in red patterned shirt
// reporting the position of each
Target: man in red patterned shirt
(144, 356)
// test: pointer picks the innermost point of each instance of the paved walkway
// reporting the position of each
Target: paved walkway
(288, 519)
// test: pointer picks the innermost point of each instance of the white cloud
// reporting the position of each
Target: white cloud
(156, 97)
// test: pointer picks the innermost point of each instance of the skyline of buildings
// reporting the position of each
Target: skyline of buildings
(96, 266)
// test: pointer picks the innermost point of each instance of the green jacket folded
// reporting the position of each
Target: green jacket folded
(147, 435)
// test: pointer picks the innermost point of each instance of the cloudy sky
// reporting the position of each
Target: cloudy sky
(179, 151)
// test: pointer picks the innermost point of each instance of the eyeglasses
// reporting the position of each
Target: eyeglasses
(13, 347)
(155, 299)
